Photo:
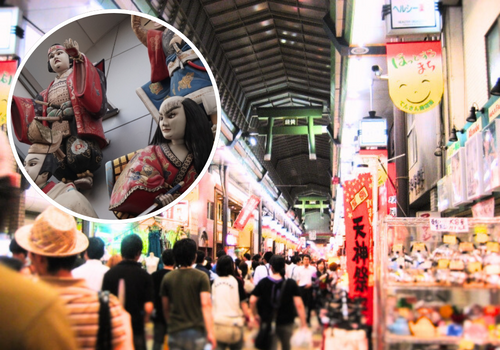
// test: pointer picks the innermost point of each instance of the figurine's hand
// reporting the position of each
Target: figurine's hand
(214, 129)
(164, 199)
(73, 49)
(67, 110)
(175, 40)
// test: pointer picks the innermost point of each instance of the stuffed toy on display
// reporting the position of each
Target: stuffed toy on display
(40, 164)
(72, 105)
(177, 153)
(176, 70)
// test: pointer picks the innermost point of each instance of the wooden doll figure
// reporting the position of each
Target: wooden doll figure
(178, 152)
(73, 105)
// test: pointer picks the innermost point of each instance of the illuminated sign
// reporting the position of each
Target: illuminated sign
(10, 18)
(413, 17)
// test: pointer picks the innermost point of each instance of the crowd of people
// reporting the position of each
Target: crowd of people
(191, 302)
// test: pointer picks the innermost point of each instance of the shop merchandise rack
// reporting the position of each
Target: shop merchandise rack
(446, 282)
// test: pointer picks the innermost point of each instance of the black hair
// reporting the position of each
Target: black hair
(225, 266)
(295, 259)
(200, 256)
(237, 262)
(256, 257)
(306, 256)
(49, 165)
(56, 264)
(243, 268)
(168, 257)
(185, 252)
(198, 136)
(267, 256)
(277, 264)
(208, 259)
(131, 246)
(48, 60)
(15, 248)
(12, 263)
(255, 264)
(247, 256)
(96, 248)
(220, 254)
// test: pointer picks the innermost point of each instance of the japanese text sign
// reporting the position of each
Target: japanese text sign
(415, 75)
(449, 224)
(7, 72)
(246, 212)
(358, 204)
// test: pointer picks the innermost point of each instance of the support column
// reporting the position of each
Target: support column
(311, 138)
(269, 138)
(400, 148)
(259, 229)
(225, 203)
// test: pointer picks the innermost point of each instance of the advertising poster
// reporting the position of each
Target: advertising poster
(415, 75)
(7, 72)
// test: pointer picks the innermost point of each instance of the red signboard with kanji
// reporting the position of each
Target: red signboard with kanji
(358, 204)
(246, 212)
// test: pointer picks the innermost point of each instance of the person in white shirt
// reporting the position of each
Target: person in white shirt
(305, 280)
(292, 270)
(93, 270)
(262, 271)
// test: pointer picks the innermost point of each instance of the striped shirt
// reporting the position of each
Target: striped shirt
(82, 304)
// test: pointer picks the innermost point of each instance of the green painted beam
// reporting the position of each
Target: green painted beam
(310, 206)
(311, 138)
(292, 130)
(309, 199)
(286, 112)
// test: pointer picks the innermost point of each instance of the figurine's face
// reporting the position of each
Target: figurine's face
(59, 61)
(173, 119)
(33, 164)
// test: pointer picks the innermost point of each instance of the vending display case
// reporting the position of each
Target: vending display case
(437, 283)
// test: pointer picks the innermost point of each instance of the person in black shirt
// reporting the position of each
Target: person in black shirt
(265, 297)
(138, 286)
(200, 258)
(160, 325)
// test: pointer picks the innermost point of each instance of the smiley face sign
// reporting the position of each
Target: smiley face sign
(415, 75)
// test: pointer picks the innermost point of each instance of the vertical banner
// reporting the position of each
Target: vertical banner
(246, 212)
(415, 72)
(358, 204)
(7, 72)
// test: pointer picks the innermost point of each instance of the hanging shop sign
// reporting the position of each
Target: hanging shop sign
(358, 204)
(413, 17)
(10, 18)
(7, 72)
(246, 212)
(415, 75)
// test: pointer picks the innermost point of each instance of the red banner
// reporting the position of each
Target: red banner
(7, 72)
(246, 212)
(358, 204)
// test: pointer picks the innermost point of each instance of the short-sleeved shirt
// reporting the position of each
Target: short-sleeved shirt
(182, 287)
(138, 289)
(268, 291)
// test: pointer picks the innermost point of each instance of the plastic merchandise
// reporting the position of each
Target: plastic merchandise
(442, 256)
(302, 338)
(491, 270)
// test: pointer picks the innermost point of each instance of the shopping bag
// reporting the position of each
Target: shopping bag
(302, 338)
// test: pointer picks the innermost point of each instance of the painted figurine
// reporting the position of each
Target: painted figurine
(176, 70)
(40, 164)
(177, 153)
(73, 105)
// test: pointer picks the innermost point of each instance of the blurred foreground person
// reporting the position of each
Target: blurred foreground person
(54, 242)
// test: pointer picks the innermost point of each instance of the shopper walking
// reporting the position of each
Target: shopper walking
(138, 286)
(230, 306)
(276, 292)
(305, 282)
(54, 242)
(262, 271)
(160, 324)
(187, 303)
(93, 270)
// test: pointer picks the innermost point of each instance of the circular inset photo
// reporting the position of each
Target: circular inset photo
(114, 116)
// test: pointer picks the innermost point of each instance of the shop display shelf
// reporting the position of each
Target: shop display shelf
(396, 286)
(439, 340)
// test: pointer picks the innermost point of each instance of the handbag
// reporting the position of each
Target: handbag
(228, 330)
(267, 330)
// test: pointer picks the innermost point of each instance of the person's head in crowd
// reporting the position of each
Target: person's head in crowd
(243, 268)
(220, 254)
(255, 264)
(237, 262)
(256, 257)
(167, 257)
(247, 257)
(185, 252)
(306, 260)
(114, 260)
(95, 251)
(17, 251)
(225, 266)
(295, 259)
(53, 242)
(131, 247)
(208, 262)
(267, 257)
(321, 265)
(200, 257)
(333, 267)
(277, 263)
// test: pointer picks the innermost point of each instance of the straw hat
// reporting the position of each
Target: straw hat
(54, 234)
(43, 139)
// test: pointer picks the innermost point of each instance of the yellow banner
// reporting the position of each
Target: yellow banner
(7, 72)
